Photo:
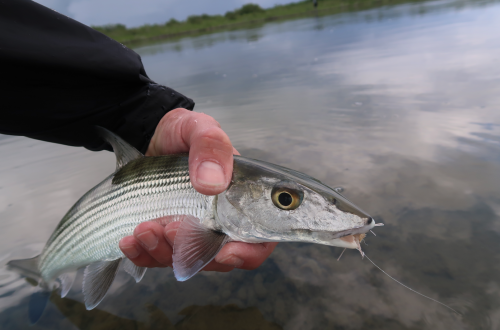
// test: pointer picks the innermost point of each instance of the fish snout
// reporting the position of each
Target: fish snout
(370, 224)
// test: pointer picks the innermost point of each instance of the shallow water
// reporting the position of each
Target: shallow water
(399, 106)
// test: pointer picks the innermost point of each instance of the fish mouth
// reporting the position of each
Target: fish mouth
(355, 231)
(349, 238)
(353, 242)
(352, 238)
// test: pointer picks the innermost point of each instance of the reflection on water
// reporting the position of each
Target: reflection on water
(195, 317)
(401, 111)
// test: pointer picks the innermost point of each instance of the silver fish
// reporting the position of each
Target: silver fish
(264, 203)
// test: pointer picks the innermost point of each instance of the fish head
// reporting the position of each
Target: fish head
(267, 202)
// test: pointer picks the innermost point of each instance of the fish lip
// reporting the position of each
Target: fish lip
(355, 231)
(347, 232)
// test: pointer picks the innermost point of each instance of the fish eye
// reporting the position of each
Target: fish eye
(286, 198)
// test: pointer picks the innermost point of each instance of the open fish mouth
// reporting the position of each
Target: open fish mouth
(352, 238)
(349, 238)
(355, 231)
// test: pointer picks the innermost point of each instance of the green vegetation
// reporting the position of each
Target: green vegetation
(249, 13)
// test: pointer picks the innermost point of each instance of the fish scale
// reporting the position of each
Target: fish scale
(143, 190)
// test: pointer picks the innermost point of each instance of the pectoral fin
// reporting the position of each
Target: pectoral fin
(97, 279)
(194, 247)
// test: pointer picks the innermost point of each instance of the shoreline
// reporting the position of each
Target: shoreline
(205, 24)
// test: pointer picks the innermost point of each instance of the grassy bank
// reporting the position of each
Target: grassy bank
(249, 13)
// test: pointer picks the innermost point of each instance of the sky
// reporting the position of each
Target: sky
(139, 12)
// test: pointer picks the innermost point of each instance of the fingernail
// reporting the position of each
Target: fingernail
(148, 239)
(210, 174)
(232, 260)
(130, 251)
(169, 233)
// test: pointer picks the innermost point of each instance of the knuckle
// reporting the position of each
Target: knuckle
(177, 112)
(204, 118)
(142, 227)
(200, 121)
(214, 138)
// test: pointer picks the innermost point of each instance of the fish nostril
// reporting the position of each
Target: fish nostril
(369, 221)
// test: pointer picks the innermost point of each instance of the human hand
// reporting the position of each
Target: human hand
(210, 171)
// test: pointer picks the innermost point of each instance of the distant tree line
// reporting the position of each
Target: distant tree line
(249, 13)
(247, 9)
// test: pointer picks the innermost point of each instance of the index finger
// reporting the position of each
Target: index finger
(210, 150)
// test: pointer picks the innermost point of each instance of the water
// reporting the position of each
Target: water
(398, 106)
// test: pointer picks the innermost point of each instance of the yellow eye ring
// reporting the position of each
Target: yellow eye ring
(286, 198)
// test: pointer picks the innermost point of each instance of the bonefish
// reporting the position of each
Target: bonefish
(263, 203)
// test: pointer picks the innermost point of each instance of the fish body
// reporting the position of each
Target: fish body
(264, 203)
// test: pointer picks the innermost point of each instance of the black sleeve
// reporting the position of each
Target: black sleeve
(60, 78)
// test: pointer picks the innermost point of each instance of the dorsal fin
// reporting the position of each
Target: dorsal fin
(124, 151)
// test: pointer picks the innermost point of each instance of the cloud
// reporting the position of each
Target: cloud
(135, 12)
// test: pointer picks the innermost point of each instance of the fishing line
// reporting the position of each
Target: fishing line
(392, 278)
(341, 254)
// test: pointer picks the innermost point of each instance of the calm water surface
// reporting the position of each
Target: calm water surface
(399, 106)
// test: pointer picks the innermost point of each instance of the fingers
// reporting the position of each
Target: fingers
(170, 232)
(233, 254)
(132, 250)
(210, 150)
(151, 246)
(148, 246)
(244, 255)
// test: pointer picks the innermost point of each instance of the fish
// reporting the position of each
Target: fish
(263, 203)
